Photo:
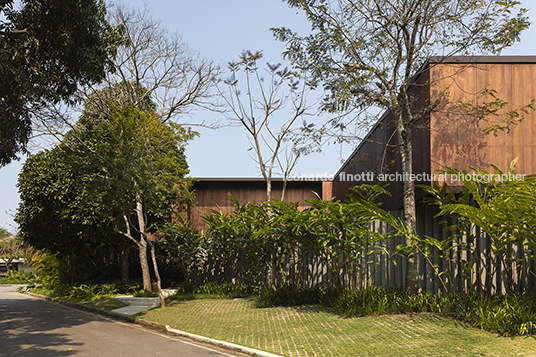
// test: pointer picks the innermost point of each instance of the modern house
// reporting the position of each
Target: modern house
(18, 264)
(449, 137)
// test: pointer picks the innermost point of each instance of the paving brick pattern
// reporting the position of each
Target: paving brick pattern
(316, 331)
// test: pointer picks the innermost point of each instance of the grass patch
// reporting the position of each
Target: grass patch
(107, 304)
(318, 330)
(508, 315)
(142, 293)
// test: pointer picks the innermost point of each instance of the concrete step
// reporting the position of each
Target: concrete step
(138, 301)
(130, 300)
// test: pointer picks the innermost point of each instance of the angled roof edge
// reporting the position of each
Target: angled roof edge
(481, 59)
(247, 179)
(441, 60)
(363, 141)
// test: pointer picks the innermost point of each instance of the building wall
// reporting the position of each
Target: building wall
(378, 152)
(212, 194)
(450, 137)
(458, 140)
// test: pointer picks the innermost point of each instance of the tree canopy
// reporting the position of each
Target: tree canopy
(157, 66)
(116, 177)
(48, 49)
(61, 202)
(369, 53)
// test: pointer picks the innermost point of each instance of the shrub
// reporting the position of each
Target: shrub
(226, 289)
(17, 277)
(91, 291)
(143, 293)
(373, 301)
(290, 295)
(508, 315)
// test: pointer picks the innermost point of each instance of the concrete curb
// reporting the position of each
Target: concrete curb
(110, 314)
(158, 326)
(222, 344)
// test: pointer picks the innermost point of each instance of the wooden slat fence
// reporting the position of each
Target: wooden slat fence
(467, 263)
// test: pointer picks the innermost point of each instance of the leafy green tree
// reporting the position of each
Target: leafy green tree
(10, 247)
(47, 49)
(118, 175)
(4, 233)
(157, 66)
(369, 53)
(64, 210)
(143, 162)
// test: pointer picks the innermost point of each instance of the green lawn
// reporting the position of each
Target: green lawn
(103, 304)
(316, 331)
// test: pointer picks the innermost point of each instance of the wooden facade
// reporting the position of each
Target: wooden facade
(212, 194)
(450, 137)
(447, 138)
(457, 140)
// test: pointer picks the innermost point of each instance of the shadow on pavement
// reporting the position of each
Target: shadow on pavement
(32, 327)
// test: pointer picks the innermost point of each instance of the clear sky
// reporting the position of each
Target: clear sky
(221, 30)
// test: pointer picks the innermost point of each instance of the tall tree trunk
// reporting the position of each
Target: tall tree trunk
(146, 275)
(145, 272)
(268, 189)
(157, 274)
(142, 248)
(412, 262)
(284, 189)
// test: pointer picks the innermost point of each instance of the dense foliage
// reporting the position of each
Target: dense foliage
(495, 207)
(47, 50)
(237, 254)
(275, 242)
(77, 198)
(371, 54)
(270, 246)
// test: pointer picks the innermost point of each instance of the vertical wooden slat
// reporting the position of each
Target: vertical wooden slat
(438, 234)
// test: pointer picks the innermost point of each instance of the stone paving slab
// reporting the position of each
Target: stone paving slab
(140, 304)
(138, 301)
(133, 310)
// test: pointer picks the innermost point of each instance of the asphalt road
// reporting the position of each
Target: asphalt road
(34, 327)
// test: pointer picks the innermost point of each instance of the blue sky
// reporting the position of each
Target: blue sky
(220, 31)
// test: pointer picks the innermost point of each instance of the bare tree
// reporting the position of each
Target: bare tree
(369, 53)
(152, 65)
(269, 108)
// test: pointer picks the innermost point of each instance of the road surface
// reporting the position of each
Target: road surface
(34, 327)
